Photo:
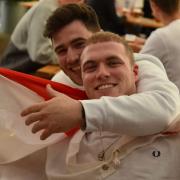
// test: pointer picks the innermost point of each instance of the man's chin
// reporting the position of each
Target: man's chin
(77, 81)
(75, 77)
(110, 94)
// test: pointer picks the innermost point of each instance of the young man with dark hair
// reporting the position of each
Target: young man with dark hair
(28, 49)
(81, 22)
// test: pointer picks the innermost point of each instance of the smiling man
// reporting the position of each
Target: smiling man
(69, 27)
(28, 49)
(69, 36)
(112, 154)
(110, 72)
(157, 104)
(69, 49)
(147, 112)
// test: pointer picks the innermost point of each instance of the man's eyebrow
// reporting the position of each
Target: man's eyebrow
(58, 47)
(77, 39)
(114, 57)
(90, 61)
(71, 42)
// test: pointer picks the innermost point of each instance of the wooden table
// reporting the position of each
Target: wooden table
(47, 71)
(28, 4)
(144, 22)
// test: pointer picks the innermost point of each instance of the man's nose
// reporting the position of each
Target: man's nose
(72, 56)
(103, 72)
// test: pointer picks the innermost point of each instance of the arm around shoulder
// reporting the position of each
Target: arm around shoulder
(148, 112)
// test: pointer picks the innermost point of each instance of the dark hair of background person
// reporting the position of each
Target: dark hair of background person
(147, 12)
(69, 13)
(167, 6)
(108, 18)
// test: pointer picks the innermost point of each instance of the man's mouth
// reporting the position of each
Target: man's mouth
(77, 68)
(105, 86)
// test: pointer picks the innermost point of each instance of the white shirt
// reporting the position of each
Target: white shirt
(158, 95)
(164, 44)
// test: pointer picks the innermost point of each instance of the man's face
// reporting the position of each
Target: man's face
(106, 70)
(68, 44)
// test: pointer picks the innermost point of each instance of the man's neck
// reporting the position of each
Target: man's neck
(168, 19)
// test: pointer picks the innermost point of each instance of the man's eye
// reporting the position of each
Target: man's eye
(89, 68)
(61, 51)
(113, 63)
(80, 44)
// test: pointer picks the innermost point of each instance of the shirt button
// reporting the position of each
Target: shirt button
(105, 167)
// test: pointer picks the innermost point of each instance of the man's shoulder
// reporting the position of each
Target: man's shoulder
(160, 33)
(146, 59)
(47, 4)
(61, 77)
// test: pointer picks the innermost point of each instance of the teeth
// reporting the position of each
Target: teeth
(105, 86)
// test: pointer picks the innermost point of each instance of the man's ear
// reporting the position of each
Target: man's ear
(136, 72)
(155, 9)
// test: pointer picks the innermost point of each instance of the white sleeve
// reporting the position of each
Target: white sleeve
(155, 45)
(149, 111)
(40, 48)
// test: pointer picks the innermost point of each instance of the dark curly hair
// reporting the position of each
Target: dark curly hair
(69, 13)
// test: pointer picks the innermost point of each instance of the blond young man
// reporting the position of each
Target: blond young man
(112, 153)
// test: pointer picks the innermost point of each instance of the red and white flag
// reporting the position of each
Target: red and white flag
(17, 92)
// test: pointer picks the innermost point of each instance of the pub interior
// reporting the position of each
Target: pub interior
(140, 23)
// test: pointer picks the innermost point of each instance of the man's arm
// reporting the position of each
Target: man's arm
(59, 114)
(148, 112)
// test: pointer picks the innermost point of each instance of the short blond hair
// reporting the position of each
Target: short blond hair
(105, 36)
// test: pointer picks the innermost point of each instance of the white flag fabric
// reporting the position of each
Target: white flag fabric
(18, 91)
(16, 139)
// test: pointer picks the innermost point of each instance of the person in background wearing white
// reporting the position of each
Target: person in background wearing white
(164, 42)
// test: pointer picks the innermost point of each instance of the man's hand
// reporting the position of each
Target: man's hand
(59, 114)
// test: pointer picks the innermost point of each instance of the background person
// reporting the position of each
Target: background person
(107, 15)
(164, 42)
